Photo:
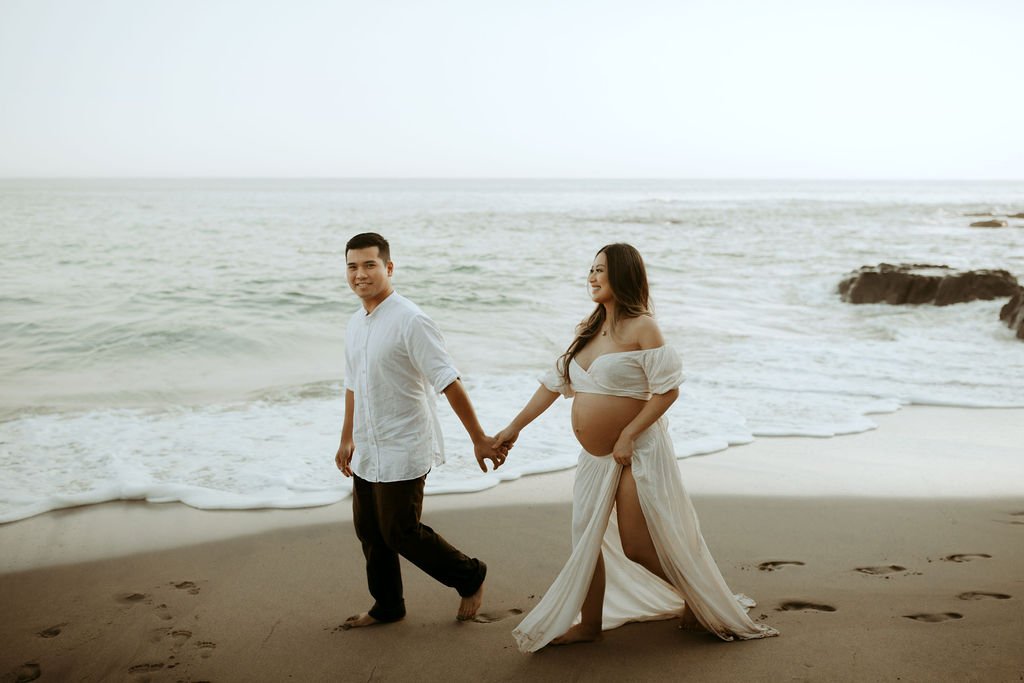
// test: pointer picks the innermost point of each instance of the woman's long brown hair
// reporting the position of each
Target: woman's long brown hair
(628, 279)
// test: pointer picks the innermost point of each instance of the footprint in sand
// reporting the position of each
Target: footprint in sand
(131, 598)
(163, 612)
(206, 648)
(981, 595)
(158, 634)
(145, 668)
(491, 617)
(51, 632)
(180, 637)
(799, 605)
(778, 564)
(190, 586)
(934, 618)
(966, 557)
(881, 571)
(1018, 515)
(29, 671)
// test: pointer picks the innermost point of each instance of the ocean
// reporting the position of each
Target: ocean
(183, 340)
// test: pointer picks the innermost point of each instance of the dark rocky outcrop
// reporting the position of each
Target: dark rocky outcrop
(1016, 215)
(976, 215)
(1013, 313)
(995, 223)
(923, 284)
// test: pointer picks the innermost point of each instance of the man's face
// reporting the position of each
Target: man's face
(368, 275)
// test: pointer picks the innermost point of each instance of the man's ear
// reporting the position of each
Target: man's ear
(390, 267)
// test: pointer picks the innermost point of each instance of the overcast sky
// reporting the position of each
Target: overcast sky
(477, 88)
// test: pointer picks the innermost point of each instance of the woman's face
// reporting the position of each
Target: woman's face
(600, 287)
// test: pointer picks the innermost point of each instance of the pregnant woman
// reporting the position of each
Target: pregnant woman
(648, 560)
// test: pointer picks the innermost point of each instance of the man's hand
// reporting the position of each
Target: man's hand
(506, 438)
(484, 449)
(343, 458)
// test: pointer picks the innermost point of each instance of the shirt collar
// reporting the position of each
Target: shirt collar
(387, 302)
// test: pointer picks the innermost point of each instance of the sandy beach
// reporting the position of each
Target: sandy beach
(895, 554)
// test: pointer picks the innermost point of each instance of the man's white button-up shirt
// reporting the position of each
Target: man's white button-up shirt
(395, 365)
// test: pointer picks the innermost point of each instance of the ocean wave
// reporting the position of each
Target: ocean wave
(190, 348)
(278, 450)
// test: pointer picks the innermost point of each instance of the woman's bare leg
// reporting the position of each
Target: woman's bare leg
(589, 628)
(636, 537)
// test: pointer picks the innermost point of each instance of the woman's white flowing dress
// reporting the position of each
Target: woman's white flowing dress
(631, 592)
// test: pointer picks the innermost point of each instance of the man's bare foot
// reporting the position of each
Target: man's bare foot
(688, 621)
(578, 634)
(468, 607)
(359, 620)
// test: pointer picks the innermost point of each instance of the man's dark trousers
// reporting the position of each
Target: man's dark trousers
(387, 521)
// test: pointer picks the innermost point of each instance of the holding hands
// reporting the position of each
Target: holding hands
(484, 448)
(494, 448)
(488, 448)
(506, 438)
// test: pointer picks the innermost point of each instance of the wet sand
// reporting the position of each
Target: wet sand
(890, 555)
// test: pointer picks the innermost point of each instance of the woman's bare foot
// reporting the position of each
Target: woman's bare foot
(578, 634)
(468, 607)
(688, 621)
(359, 620)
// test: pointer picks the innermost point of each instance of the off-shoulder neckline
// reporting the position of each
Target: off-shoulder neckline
(614, 353)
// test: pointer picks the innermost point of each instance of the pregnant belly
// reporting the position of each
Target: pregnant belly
(597, 420)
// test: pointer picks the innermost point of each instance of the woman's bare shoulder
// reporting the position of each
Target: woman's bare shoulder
(643, 330)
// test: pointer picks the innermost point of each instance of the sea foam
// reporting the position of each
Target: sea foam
(183, 340)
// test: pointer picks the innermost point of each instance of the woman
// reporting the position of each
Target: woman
(648, 560)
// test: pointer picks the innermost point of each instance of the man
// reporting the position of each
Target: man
(395, 361)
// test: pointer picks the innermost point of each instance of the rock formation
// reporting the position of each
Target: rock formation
(922, 284)
(1013, 313)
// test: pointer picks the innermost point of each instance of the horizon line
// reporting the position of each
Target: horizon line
(513, 178)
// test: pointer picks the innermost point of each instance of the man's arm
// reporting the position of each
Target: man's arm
(343, 459)
(483, 445)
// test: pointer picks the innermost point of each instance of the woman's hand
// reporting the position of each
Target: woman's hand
(623, 451)
(506, 438)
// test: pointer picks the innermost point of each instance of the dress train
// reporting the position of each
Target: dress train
(631, 592)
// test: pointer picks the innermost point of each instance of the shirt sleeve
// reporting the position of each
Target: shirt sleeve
(428, 354)
(553, 381)
(663, 368)
(350, 372)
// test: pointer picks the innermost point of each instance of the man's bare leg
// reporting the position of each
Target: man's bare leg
(468, 607)
(359, 620)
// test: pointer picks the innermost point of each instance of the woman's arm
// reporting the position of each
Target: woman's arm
(648, 337)
(541, 401)
(655, 408)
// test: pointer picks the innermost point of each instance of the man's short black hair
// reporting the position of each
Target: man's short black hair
(365, 240)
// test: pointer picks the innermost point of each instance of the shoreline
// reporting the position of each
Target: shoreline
(870, 571)
(918, 451)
